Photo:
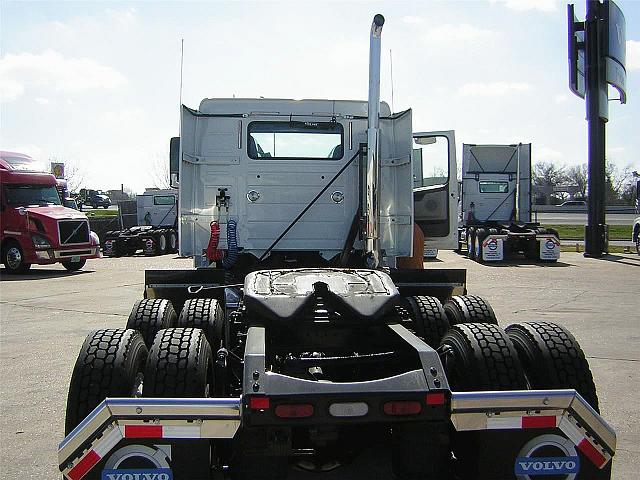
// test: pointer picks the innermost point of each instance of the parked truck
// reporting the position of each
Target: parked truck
(156, 232)
(93, 198)
(299, 341)
(495, 202)
(35, 226)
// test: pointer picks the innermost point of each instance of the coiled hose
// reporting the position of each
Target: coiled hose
(232, 245)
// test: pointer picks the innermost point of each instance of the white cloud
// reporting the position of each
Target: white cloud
(527, 5)
(413, 19)
(125, 16)
(633, 55)
(493, 89)
(52, 70)
(546, 154)
(461, 33)
(42, 100)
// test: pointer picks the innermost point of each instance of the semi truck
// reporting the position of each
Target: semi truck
(299, 344)
(36, 228)
(156, 230)
(495, 199)
(93, 198)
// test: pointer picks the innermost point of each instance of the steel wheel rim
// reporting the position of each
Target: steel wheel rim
(14, 258)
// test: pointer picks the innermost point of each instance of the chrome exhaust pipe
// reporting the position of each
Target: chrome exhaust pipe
(373, 129)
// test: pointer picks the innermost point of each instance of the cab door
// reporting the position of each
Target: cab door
(435, 188)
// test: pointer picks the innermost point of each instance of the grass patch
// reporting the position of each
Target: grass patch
(576, 232)
(93, 213)
(612, 249)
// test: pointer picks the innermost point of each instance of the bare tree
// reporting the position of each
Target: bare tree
(577, 175)
(617, 182)
(159, 172)
(548, 174)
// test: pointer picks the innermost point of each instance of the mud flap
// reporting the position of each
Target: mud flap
(525, 455)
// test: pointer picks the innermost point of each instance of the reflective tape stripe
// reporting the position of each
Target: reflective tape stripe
(109, 440)
(591, 453)
(143, 431)
(540, 422)
(510, 423)
(84, 465)
(175, 431)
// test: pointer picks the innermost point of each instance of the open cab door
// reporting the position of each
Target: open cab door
(435, 189)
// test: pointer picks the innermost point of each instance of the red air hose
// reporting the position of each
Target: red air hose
(213, 254)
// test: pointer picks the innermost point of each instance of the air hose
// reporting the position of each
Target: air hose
(232, 245)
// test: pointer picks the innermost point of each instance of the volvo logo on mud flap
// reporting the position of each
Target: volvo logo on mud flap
(547, 455)
(138, 474)
(550, 244)
(492, 245)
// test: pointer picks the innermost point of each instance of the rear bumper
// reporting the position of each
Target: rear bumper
(537, 414)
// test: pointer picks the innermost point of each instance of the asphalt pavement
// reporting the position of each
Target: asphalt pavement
(46, 314)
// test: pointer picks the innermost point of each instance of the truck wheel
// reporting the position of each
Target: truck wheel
(552, 358)
(151, 315)
(13, 258)
(469, 309)
(110, 364)
(160, 239)
(481, 234)
(74, 266)
(180, 364)
(105, 206)
(471, 243)
(638, 245)
(205, 314)
(480, 357)
(173, 241)
(429, 318)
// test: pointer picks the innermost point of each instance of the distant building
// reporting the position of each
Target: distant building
(117, 196)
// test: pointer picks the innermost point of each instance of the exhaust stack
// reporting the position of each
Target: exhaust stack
(373, 129)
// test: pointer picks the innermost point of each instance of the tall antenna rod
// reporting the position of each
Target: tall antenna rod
(391, 65)
(181, 67)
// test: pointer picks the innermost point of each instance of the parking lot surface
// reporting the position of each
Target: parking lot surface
(45, 316)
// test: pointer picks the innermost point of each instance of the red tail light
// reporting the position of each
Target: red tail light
(402, 407)
(259, 403)
(301, 410)
(435, 398)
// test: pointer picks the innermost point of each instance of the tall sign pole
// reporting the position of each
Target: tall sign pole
(597, 59)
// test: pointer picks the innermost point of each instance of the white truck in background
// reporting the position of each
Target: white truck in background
(156, 232)
(495, 198)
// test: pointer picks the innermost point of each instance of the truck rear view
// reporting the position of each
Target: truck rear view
(496, 206)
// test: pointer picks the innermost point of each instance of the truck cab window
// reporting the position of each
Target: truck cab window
(164, 200)
(493, 187)
(30, 195)
(300, 140)
(431, 161)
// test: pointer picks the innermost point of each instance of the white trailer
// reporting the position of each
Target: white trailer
(495, 202)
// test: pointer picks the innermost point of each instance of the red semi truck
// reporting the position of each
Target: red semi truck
(35, 227)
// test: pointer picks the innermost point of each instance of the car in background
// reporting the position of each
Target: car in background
(635, 236)
(573, 203)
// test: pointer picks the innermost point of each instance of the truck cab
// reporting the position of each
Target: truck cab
(36, 227)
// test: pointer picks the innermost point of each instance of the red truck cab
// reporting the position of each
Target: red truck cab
(35, 228)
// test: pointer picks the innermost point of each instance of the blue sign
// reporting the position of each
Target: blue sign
(534, 466)
(137, 474)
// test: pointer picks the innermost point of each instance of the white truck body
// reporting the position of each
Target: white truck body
(157, 207)
(268, 191)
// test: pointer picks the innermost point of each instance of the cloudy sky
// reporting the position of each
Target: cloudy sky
(96, 84)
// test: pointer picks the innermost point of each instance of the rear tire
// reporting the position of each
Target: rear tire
(552, 358)
(180, 364)
(481, 234)
(471, 243)
(480, 357)
(469, 309)
(207, 315)
(151, 315)
(172, 244)
(110, 364)
(429, 318)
